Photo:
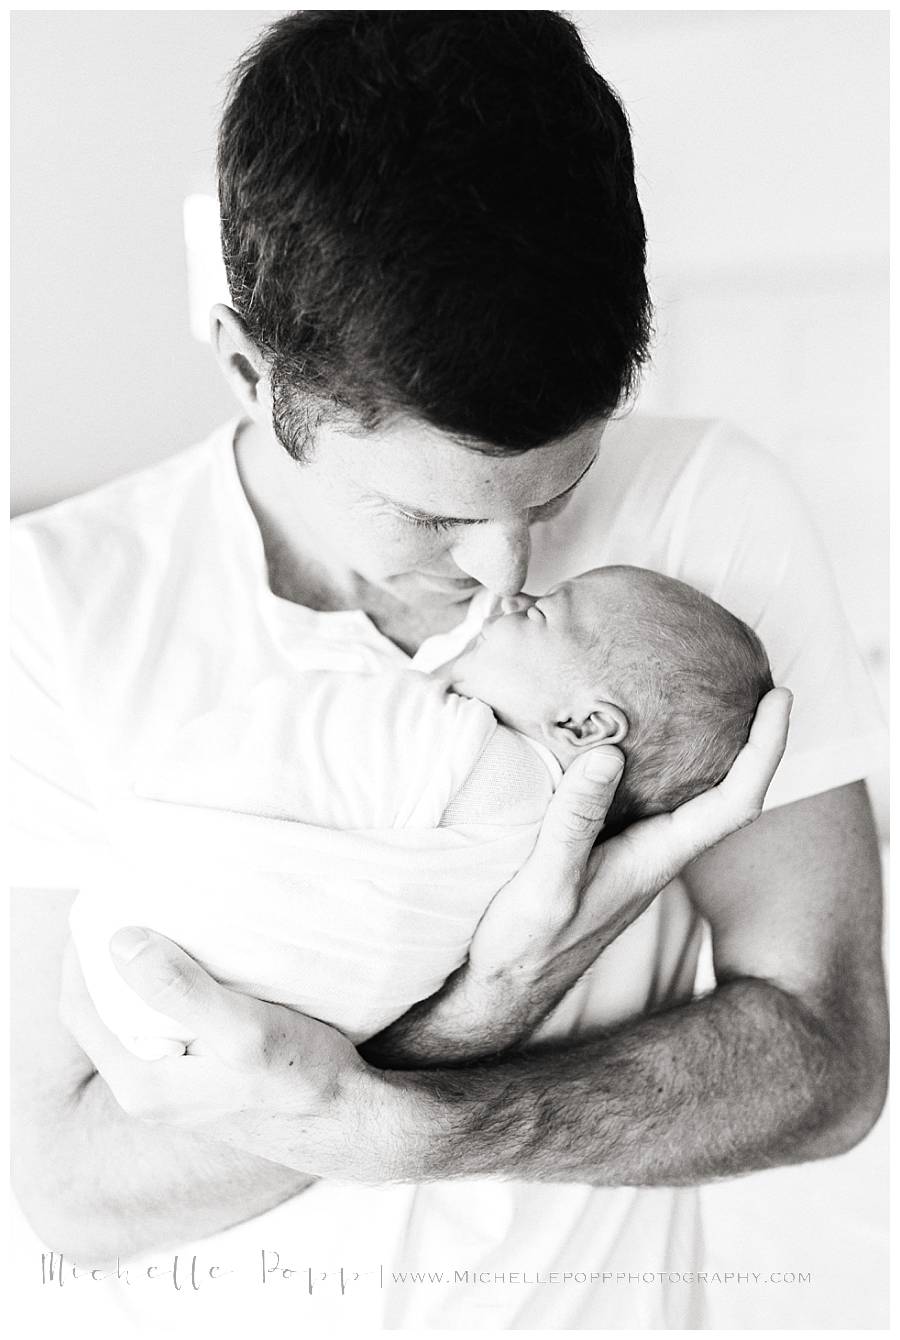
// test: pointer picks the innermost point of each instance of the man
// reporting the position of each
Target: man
(436, 257)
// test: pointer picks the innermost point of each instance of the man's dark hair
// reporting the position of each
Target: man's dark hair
(434, 213)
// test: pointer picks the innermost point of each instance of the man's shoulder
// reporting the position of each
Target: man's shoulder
(128, 497)
(146, 504)
(95, 555)
(678, 439)
(652, 466)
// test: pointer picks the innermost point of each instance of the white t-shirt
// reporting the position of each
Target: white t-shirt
(146, 602)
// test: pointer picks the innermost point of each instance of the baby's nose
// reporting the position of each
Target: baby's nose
(513, 604)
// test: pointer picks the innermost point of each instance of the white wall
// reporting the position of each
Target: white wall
(105, 146)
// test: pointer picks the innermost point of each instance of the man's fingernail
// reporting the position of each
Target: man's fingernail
(127, 943)
(602, 767)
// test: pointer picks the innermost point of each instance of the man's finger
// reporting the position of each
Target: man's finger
(668, 842)
(79, 1015)
(172, 982)
(738, 799)
(750, 776)
(577, 811)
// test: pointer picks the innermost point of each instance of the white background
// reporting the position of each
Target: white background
(761, 141)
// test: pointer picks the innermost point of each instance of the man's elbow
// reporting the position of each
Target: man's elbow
(857, 1090)
(62, 1202)
(60, 1227)
(864, 1108)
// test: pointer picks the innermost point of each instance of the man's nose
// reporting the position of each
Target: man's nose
(496, 554)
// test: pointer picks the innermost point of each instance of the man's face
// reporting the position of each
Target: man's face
(422, 518)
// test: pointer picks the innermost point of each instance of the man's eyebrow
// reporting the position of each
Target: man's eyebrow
(475, 520)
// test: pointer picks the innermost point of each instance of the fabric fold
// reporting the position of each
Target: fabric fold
(351, 927)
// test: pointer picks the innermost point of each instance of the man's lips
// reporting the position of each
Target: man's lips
(449, 581)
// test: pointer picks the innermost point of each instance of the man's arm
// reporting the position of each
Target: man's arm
(92, 1180)
(784, 1062)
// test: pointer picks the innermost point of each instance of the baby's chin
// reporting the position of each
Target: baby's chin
(443, 676)
(457, 684)
(457, 677)
(446, 674)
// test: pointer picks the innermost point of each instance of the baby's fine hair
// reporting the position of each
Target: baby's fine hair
(689, 675)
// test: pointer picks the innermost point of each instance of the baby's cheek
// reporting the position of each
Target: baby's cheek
(512, 655)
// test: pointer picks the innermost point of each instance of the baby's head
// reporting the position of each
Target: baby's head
(623, 656)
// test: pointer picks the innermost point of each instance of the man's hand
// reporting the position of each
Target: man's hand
(260, 1077)
(570, 900)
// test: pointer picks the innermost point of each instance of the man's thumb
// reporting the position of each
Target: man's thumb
(169, 980)
(578, 810)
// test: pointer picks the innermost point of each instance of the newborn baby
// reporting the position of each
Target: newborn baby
(408, 800)
(622, 656)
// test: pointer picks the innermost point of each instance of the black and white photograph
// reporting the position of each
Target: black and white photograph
(449, 805)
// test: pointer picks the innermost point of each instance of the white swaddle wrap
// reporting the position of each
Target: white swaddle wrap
(293, 846)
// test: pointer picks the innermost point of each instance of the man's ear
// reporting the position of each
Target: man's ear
(245, 367)
(607, 724)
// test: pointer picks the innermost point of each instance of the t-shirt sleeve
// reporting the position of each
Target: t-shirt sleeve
(749, 542)
(53, 824)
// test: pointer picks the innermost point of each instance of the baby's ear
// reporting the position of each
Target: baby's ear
(607, 724)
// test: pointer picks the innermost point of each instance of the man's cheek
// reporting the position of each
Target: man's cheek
(373, 556)
(414, 556)
(387, 548)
